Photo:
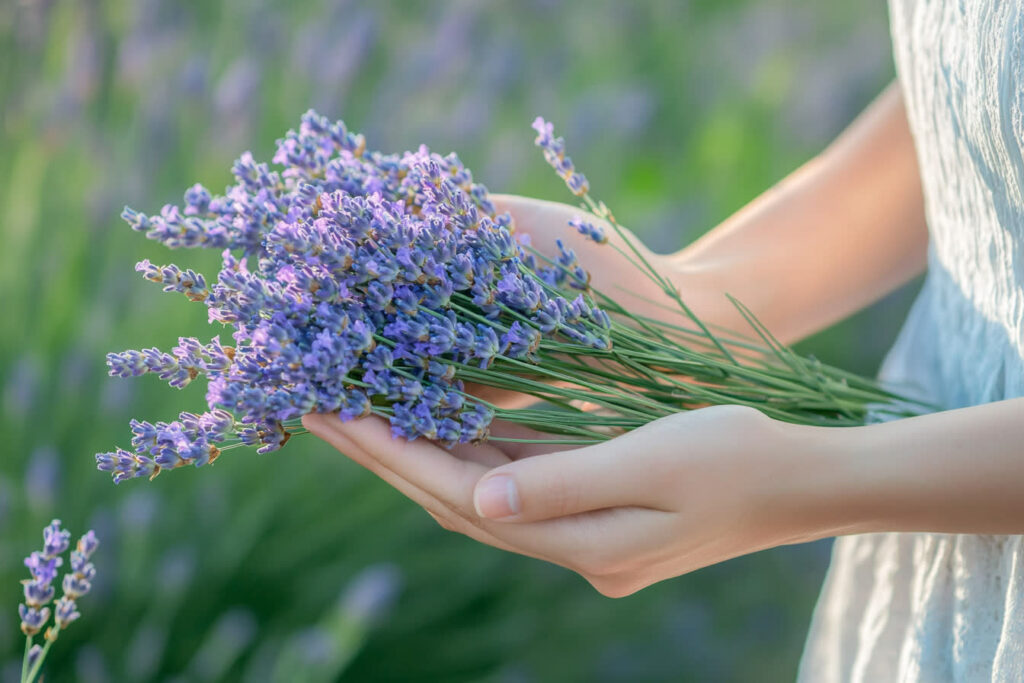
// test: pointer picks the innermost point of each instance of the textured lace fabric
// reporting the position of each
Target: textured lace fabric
(932, 607)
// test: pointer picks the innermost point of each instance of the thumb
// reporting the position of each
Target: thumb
(559, 484)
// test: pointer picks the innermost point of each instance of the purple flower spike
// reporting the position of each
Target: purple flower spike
(197, 200)
(588, 229)
(39, 590)
(88, 543)
(65, 612)
(174, 279)
(554, 154)
(55, 539)
(42, 568)
(37, 593)
(75, 585)
(32, 619)
(126, 465)
(126, 364)
(33, 655)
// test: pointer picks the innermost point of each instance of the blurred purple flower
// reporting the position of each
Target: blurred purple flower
(194, 77)
(372, 592)
(235, 89)
(138, 511)
(176, 570)
(233, 97)
(6, 495)
(229, 637)
(145, 650)
(623, 112)
(91, 666)
(43, 478)
(332, 50)
(22, 387)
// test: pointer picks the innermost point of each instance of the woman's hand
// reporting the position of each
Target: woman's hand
(611, 272)
(701, 487)
(681, 493)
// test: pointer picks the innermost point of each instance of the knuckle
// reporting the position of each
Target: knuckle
(561, 497)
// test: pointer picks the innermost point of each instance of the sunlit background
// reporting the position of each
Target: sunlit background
(299, 566)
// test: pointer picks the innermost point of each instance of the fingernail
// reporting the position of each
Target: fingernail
(496, 497)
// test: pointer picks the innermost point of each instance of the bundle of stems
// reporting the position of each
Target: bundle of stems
(657, 366)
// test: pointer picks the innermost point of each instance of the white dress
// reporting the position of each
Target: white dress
(934, 607)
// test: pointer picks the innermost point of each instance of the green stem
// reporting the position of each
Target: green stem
(24, 659)
(602, 211)
(42, 655)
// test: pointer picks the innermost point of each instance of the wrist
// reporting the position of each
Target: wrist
(828, 485)
(954, 472)
(703, 285)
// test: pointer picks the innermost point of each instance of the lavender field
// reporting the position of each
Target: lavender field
(298, 565)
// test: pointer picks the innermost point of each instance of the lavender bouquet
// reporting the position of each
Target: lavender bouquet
(365, 283)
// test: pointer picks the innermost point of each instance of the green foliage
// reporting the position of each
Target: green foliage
(678, 113)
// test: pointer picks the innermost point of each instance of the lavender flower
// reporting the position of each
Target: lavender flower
(78, 581)
(554, 154)
(33, 619)
(55, 539)
(39, 591)
(34, 653)
(188, 282)
(354, 281)
(589, 230)
(43, 565)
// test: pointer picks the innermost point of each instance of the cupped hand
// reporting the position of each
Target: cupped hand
(681, 493)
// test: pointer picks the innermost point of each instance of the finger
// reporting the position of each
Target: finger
(319, 425)
(419, 469)
(598, 543)
(420, 462)
(322, 425)
(565, 483)
(329, 428)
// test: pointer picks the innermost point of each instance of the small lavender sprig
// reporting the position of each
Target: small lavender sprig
(554, 153)
(39, 592)
(842, 398)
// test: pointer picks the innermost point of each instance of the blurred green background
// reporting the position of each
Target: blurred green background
(264, 566)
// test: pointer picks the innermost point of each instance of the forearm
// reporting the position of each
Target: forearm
(958, 471)
(836, 235)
